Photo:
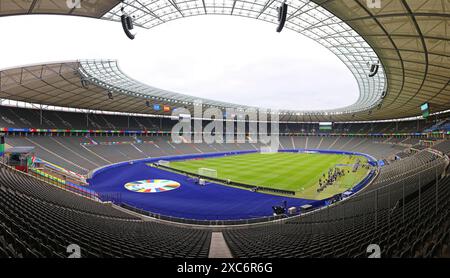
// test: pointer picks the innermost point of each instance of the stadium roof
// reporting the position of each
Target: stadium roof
(410, 39)
(89, 8)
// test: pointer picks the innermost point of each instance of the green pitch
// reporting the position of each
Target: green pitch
(299, 172)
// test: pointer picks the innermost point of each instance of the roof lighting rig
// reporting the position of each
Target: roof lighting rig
(127, 24)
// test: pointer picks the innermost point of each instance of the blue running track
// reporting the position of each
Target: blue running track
(210, 202)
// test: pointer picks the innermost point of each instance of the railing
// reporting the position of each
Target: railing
(52, 181)
(383, 199)
(372, 204)
(203, 222)
(314, 205)
(228, 182)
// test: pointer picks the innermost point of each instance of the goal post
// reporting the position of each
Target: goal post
(164, 163)
(206, 172)
(267, 150)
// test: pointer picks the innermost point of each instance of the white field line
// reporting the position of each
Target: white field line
(351, 139)
(195, 147)
(72, 151)
(57, 155)
(334, 143)
(96, 154)
(357, 145)
(139, 150)
(170, 144)
(320, 143)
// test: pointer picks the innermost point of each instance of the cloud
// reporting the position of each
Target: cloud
(230, 59)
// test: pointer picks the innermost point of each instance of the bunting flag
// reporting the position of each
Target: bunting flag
(2, 145)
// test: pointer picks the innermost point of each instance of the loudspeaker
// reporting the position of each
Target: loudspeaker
(282, 14)
(110, 96)
(85, 83)
(127, 22)
(374, 70)
(130, 25)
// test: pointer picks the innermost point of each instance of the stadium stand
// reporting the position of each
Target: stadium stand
(404, 208)
(421, 217)
(38, 221)
(25, 184)
(404, 154)
(411, 222)
(316, 232)
(113, 149)
(443, 147)
(30, 118)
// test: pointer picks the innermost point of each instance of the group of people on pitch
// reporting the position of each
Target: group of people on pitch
(330, 178)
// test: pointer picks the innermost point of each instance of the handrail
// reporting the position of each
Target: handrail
(89, 194)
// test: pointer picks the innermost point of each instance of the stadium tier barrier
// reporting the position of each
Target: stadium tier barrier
(160, 132)
(408, 224)
(314, 205)
(372, 160)
(168, 158)
(81, 190)
(203, 222)
(400, 218)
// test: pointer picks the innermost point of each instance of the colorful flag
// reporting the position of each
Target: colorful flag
(2, 145)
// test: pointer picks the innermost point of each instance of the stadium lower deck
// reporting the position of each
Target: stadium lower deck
(89, 153)
(299, 172)
(405, 207)
(216, 201)
(189, 201)
(108, 178)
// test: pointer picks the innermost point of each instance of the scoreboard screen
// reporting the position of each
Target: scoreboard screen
(425, 108)
(326, 126)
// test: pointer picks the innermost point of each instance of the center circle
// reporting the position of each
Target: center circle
(152, 186)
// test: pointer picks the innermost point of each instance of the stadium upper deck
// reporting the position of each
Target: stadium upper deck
(408, 38)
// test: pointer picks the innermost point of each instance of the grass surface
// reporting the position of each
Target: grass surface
(299, 172)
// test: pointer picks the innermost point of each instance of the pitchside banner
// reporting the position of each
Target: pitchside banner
(2, 145)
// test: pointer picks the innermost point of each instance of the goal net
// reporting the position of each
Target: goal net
(212, 173)
(164, 163)
(267, 150)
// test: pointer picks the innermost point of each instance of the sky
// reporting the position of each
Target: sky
(224, 58)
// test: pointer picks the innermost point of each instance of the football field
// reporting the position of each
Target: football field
(299, 172)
